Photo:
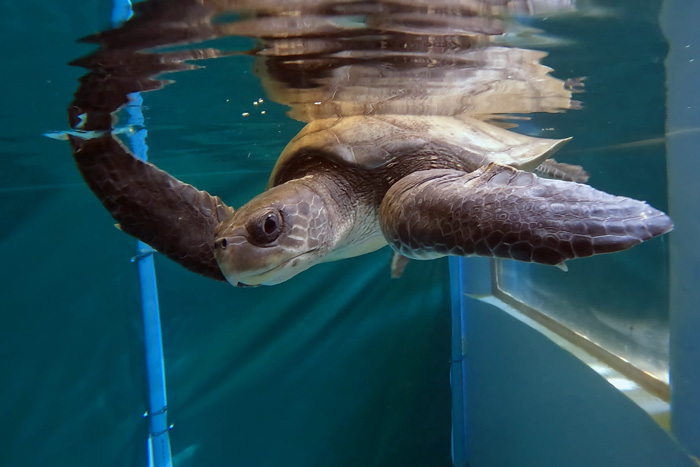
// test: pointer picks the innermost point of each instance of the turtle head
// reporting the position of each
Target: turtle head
(275, 236)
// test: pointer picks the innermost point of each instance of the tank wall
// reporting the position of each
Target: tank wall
(531, 403)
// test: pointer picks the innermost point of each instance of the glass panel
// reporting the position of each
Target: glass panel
(611, 301)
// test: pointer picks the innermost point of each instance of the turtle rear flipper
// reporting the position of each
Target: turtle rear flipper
(398, 265)
(561, 171)
(171, 216)
(503, 212)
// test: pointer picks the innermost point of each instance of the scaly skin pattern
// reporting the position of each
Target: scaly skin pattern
(171, 216)
(502, 212)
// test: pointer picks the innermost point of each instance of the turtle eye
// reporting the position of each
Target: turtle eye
(266, 227)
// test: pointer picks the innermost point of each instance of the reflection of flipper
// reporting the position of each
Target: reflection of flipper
(398, 264)
(575, 85)
(561, 171)
(173, 217)
(503, 212)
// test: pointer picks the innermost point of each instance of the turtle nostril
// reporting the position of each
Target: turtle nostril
(221, 243)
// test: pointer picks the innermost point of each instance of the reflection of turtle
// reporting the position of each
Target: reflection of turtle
(428, 186)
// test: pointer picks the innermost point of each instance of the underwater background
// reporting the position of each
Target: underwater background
(340, 366)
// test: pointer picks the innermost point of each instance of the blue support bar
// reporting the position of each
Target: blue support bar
(469, 278)
(159, 453)
(457, 367)
(159, 438)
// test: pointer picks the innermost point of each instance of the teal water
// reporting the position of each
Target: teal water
(340, 366)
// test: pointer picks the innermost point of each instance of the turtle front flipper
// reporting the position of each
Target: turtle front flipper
(173, 217)
(502, 212)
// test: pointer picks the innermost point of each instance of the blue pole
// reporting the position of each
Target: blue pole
(457, 367)
(469, 277)
(158, 439)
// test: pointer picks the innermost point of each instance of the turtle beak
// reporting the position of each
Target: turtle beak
(222, 244)
(240, 261)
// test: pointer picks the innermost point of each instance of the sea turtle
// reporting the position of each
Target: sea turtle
(428, 186)
(404, 144)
